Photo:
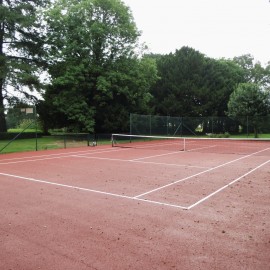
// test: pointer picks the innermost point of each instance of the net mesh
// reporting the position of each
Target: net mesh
(203, 145)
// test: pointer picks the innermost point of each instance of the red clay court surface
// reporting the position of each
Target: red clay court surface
(120, 208)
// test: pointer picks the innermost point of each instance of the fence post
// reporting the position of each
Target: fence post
(150, 123)
(130, 123)
(167, 125)
(181, 125)
(65, 139)
(35, 112)
(247, 128)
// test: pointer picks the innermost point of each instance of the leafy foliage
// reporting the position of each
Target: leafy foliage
(96, 75)
(249, 100)
(254, 72)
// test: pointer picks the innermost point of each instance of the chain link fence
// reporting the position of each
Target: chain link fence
(257, 126)
(25, 131)
(25, 134)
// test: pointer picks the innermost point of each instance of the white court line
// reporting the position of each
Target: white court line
(186, 178)
(205, 147)
(49, 155)
(132, 198)
(148, 145)
(142, 162)
(232, 182)
(137, 197)
(62, 185)
(33, 160)
(97, 151)
(54, 156)
(92, 190)
(160, 203)
(171, 153)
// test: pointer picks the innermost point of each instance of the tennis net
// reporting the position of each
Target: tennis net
(207, 145)
(148, 142)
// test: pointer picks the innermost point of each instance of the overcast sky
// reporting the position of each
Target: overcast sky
(216, 28)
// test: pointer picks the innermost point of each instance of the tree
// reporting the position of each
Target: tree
(20, 50)
(177, 92)
(192, 84)
(19, 115)
(96, 74)
(254, 72)
(249, 100)
(132, 80)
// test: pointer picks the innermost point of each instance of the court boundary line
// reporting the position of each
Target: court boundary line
(48, 155)
(53, 156)
(30, 179)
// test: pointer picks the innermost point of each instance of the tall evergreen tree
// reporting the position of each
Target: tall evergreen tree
(20, 50)
(192, 84)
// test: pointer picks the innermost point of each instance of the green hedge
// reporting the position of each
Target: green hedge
(24, 135)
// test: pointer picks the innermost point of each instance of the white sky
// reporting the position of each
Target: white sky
(216, 28)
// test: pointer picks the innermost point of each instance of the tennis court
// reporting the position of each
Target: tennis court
(149, 204)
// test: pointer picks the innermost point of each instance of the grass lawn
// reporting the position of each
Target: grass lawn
(251, 136)
(21, 145)
(17, 130)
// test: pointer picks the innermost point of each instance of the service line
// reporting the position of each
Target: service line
(141, 162)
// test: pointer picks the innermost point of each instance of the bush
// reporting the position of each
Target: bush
(220, 135)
